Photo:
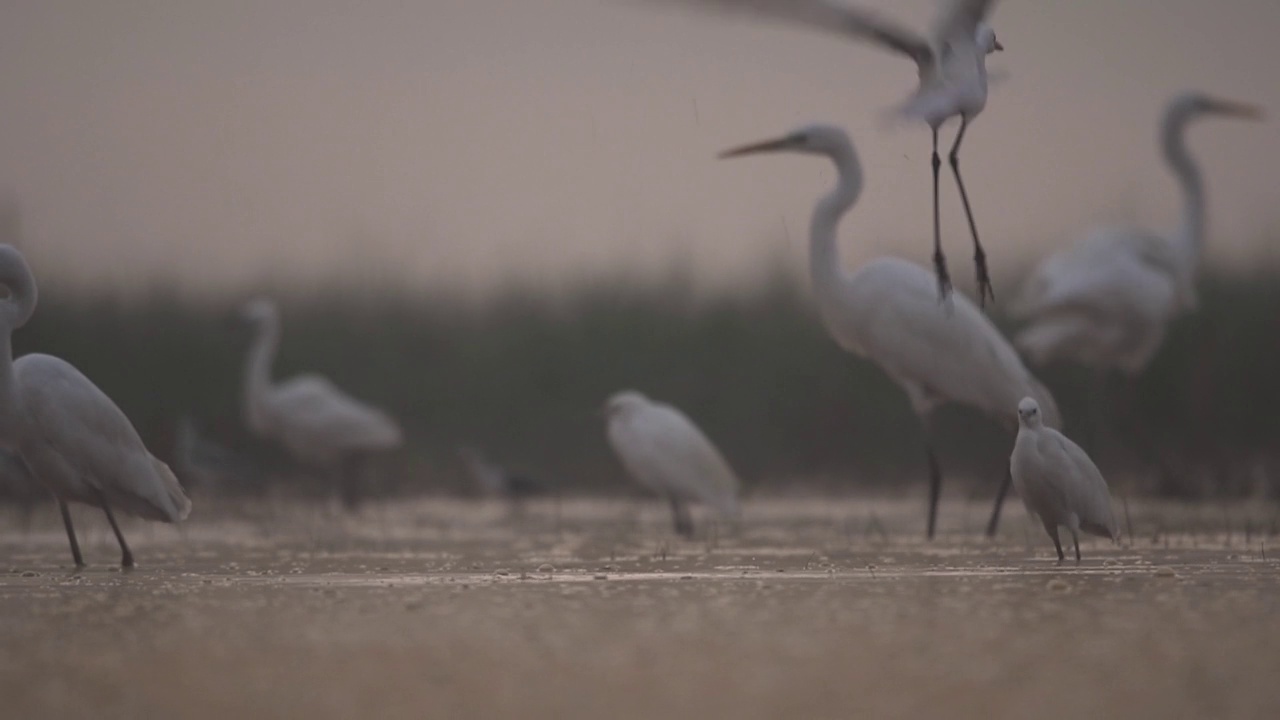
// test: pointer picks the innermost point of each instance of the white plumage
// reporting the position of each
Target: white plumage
(1058, 482)
(952, 70)
(316, 422)
(887, 312)
(1107, 301)
(664, 451)
(71, 435)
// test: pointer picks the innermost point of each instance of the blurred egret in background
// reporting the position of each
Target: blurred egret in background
(887, 312)
(952, 68)
(493, 480)
(70, 434)
(1058, 482)
(320, 425)
(664, 451)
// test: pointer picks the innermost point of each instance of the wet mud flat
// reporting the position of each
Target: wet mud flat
(813, 608)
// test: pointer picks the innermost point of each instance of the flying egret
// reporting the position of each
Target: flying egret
(1058, 482)
(73, 438)
(495, 481)
(664, 451)
(952, 68)
(1107, 301)
(320, 425)
(887, 312)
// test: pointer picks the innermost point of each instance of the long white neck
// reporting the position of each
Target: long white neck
(257, 374)
(1189, 238)
(824, 253)
(15, 311)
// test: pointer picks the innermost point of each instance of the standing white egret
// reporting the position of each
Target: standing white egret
(1107, 301)
(73, 438)
(1058, 482)
(887, 312)
(952, 68)
(317, 423)
(664, 451)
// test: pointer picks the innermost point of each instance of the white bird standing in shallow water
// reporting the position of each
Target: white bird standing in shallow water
(1107, 301)
(888, 313)
(664, 451)
(1058, 482)
(71, 435)
(317, 423)
(952, 68)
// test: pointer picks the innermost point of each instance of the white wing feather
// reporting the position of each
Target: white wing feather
(1074, 476)
(79, 442)
(953, 354)
(315, 418)
(666, 452)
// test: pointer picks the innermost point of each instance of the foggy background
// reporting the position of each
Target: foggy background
(486, 216)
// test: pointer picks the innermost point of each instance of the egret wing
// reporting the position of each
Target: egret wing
(324, 413)
(1075, 476)
(70, 419)
(960, 18)
(830, 16)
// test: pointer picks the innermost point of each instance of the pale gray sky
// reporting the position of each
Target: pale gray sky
(462, 141)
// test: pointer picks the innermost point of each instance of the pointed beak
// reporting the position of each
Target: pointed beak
(775, 145)
(1237, 109)
(998, 46)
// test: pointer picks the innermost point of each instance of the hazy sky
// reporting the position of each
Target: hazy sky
(462, 141)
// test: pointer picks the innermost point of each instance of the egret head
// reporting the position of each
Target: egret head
(1029, 413)
(1193, 104)
(986, 39)
(625, 401)
(827, 140)
(259, 311)
(17, 288)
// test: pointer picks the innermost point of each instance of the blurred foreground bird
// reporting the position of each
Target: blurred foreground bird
(1107, 301)
(952, 69)
(69, 433)
(495, 481)
(1057, 481)
(665, 452)
(320, 425)
(887, 312)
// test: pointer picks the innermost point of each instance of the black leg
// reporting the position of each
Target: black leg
(939, 260)
(935, 488)
(1075, 539)
(979, 257)
(994, 523)
(1057, 544)
(126, 557)
(71, 533)
(680, 514)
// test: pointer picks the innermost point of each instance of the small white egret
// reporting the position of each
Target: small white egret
(887, 312)
(952, 68)
(1058, 482)
(664, 451)
(73, 438)
(1107, 301)
(317, 423)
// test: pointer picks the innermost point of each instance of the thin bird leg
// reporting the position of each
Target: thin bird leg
(979, 256)
(994, 523)
(680, 514)
(935, 488)
(939, 260)
(126, 557)
(1052, 529)
(71, 533)
(1075, 539)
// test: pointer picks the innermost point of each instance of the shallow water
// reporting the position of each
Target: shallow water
(809, 608)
